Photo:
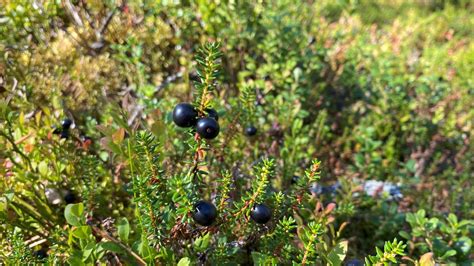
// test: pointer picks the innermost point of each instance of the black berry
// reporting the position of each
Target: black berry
(64, 134)
(70, 197)
(212, 113)
(205, 213)
(66, 123)
(250, 131)
(354, 262)
(184, 115)
(207, 128)
(40, 254)
(294, 179)
(261, 214)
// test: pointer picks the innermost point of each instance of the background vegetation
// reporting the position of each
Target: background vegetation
(375, 90)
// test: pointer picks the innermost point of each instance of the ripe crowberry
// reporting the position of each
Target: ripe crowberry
(294, 179)
(184, 115)
(354, 262)
(64, 134)
(66, 123)
(207, 128)
(69, 197)
(212, 113)
(261, 213)
(250, 131)
(40, 254)
(205, 213)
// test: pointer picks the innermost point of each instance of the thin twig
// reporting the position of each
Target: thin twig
(195, 168)
(106, 23)
(168, 81)
(15, 147)
(73, 13)
(139, 108)
(306, 252)
(15, 84)
(105, 235)
(88, 14)
(135, 113)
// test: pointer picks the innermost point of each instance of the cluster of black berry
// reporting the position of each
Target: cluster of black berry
(185, 115)
(205, 213)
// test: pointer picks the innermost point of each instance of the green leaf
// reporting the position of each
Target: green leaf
(99, 251)
(3, 205)
(410, 218)
(123, 228)
(144, 250)
(392, 259)
(184, 262)
(453, 219)
(82, 232)
(88, 251)
(404, 234)
(463, 244)
(111, 246)
(43, 168)
(359, 159)
(449, 253)
(338, 253)
(432, 224)
(75, 258)
(421, 213)
(379, 252)
(367, 262)
(9, 194)
(42, 207)
(202, 243)
(410, 165)
(73, 214)
(263, 259)
(465, 223)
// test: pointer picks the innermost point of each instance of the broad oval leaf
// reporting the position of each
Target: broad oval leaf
(73, 214)
(338, 253)
(123, 228)
(427, 259)
(184, 262)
